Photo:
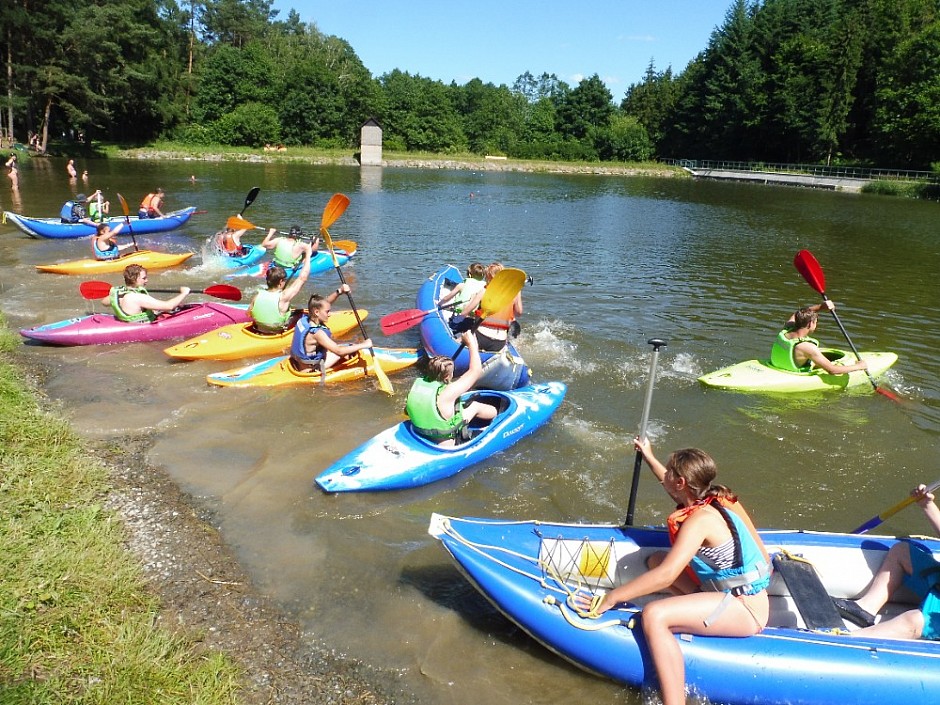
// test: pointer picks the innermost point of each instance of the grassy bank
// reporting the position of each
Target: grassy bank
(311, 155)
(76, 621)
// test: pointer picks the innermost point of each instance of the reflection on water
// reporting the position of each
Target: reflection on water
(706, 266)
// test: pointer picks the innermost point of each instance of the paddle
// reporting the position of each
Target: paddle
(239, 223)
(809, 268)
(499, 294)
(403, 320)
(334, 209)
(644, 420)
(98, 290)
(886, 514)
(127, 220)
(249, 199)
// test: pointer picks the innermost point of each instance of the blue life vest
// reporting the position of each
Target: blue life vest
(111, 253)
(298, 345)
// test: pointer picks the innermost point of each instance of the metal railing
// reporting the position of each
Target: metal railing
(818, 170)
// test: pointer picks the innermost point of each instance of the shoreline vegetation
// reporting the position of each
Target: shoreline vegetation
(116, 587)
(421, 160)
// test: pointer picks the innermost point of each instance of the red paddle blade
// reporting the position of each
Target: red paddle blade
(402, 320)
(888, 393)
(224, 291)
(810, 270)
(94, 289)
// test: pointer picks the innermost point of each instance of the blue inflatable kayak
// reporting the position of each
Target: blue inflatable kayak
(503, 370)
(319, 263)
(54, 227)
(398, 458)
(253, 255)
(528, 570)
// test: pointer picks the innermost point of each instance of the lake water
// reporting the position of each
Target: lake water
(706, 266)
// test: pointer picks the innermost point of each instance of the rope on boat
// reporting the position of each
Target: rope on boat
(549, 570)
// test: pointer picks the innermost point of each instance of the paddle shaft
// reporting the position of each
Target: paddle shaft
(644, 421)
(127, 220)
(878, 519)
(849, 341)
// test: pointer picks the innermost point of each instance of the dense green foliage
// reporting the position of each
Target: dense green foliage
(823, 81)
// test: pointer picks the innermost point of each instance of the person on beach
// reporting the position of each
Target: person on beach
(794, 351)
(717, 569)
(104, 242)
(289, 249)
(270, 309)
(150, 206)
(131, 302)
(907, 563)
(312, 346)
(467, 289)
(433, 402)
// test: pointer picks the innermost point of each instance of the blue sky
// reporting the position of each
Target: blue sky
(496, 41)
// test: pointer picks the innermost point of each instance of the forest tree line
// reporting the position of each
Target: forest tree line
(813, 81)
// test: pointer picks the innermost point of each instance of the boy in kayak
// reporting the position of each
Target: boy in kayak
(270, 308)
(132, 304)
(795, 351)
(313, 346)
(466, 290)
(229, 242)
(104, 242)
(717, 569)
(289, 249)
(98, 209)
(433, 402)
(909, 564)
(74, 211)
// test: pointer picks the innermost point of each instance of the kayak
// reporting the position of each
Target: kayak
(147, 258)
(253, 254)
(105, 329)
(278, 371)
(528, 569)
(56, 229)
(507, 371)
(239, 340)
(319, 263)
(398, 458)
(761, 376)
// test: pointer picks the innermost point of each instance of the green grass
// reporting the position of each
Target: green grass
(76, 623)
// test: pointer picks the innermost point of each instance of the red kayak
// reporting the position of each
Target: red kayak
(104, 329)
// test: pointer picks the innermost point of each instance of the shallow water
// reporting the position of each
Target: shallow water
(616, 261)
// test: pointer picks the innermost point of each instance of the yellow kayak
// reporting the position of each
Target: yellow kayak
(279, 371)
(147, 258)
(239, 340)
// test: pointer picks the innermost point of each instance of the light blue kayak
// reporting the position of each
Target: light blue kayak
(399, 458)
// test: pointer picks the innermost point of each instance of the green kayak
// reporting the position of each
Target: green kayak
(761, 376)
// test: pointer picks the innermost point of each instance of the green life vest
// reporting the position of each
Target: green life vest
(266, 312)
(471, 287)
(421, 408)
(95, 213)
(284, 254)
(781, 355)
(145, 316)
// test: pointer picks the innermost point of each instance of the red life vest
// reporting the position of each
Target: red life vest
(676, 519)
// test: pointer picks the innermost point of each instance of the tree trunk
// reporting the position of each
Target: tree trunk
(45, 125)
(10, 84)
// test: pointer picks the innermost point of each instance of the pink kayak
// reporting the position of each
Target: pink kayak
(103, 328)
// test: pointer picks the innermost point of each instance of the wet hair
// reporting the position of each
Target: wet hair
(315, 303)
(699, 471)
(476, 271)
(100, 228)
(275, 275)
(803, 318)
(440, 367)
(131, 274)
